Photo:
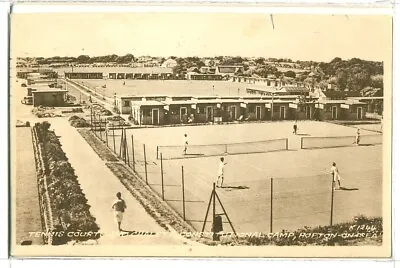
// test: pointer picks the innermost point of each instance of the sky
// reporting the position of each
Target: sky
(299, 37)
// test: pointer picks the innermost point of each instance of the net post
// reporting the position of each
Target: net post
(208, 209)
(333, 190)
(271, 205)
(183, 195)
(157, 152)
(133, 154)
(113, 133)
(162, 178)
(301, 143)
(226, 148)
(226, 214)
(145, 162)
(287, 144)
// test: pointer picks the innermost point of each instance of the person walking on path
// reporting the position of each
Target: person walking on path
(221, 169)
(185, 144)
(335, 175)
(119, 207)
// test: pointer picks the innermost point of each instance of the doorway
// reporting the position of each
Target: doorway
(283, 112)
(258, 112)
(334, 112)
(209, 114)
(155, 117)
(359, 113)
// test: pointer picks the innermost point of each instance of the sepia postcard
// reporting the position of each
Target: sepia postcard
(200, 131)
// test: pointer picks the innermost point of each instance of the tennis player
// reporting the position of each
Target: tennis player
(358, 136)
(221, 169)
(295, 128)
(185, 144)
(335, 174)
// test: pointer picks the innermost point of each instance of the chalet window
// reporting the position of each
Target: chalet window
(302, 109)
(252, 109)
(126, 103)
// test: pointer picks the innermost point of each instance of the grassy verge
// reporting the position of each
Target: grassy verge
(98, 146)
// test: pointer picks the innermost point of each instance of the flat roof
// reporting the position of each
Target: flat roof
(341, 102)
(179, 102)
(365, 98)
(49, 91)
(147, 103)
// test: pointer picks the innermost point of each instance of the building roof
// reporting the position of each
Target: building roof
(210, 101)
(256, 101)
(341, 94)
(179, 102)
(49, 91)
(367, 98)
(147, 103)
(291, 89)
(193, 70)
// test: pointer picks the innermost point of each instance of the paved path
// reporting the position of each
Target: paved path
(100, 186)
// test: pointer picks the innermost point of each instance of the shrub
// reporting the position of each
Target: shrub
(67, 199)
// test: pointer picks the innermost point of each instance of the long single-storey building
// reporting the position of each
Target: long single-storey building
(161, 109)
(49, 97)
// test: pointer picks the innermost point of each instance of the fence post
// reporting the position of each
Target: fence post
(183, 196)
(333, 190)
(213, 211)
(287, 144)
(127, 150)
(113, 134)
(101, 135)
(301, 143)
(106, 130)
(162, 178)
(133, 154)
(145, 162)
(271, 208)
(157, 152)
(121, 142)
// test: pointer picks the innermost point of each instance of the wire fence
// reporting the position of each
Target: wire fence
(251, 205)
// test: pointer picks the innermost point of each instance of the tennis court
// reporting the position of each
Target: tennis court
(301, 194)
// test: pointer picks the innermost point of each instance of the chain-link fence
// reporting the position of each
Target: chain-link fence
(270, 204)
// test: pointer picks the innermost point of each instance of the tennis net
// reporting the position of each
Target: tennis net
(339, 141)
(177, 152)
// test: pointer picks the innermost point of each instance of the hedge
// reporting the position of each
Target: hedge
(67, 199)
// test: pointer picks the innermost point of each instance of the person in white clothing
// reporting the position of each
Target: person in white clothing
(119, 207)
(185, 144)
(358, 137)
(221, 168)
(335, 175)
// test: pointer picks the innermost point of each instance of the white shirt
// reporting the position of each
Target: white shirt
(185, 141)
(335, 171)
(221, 168)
